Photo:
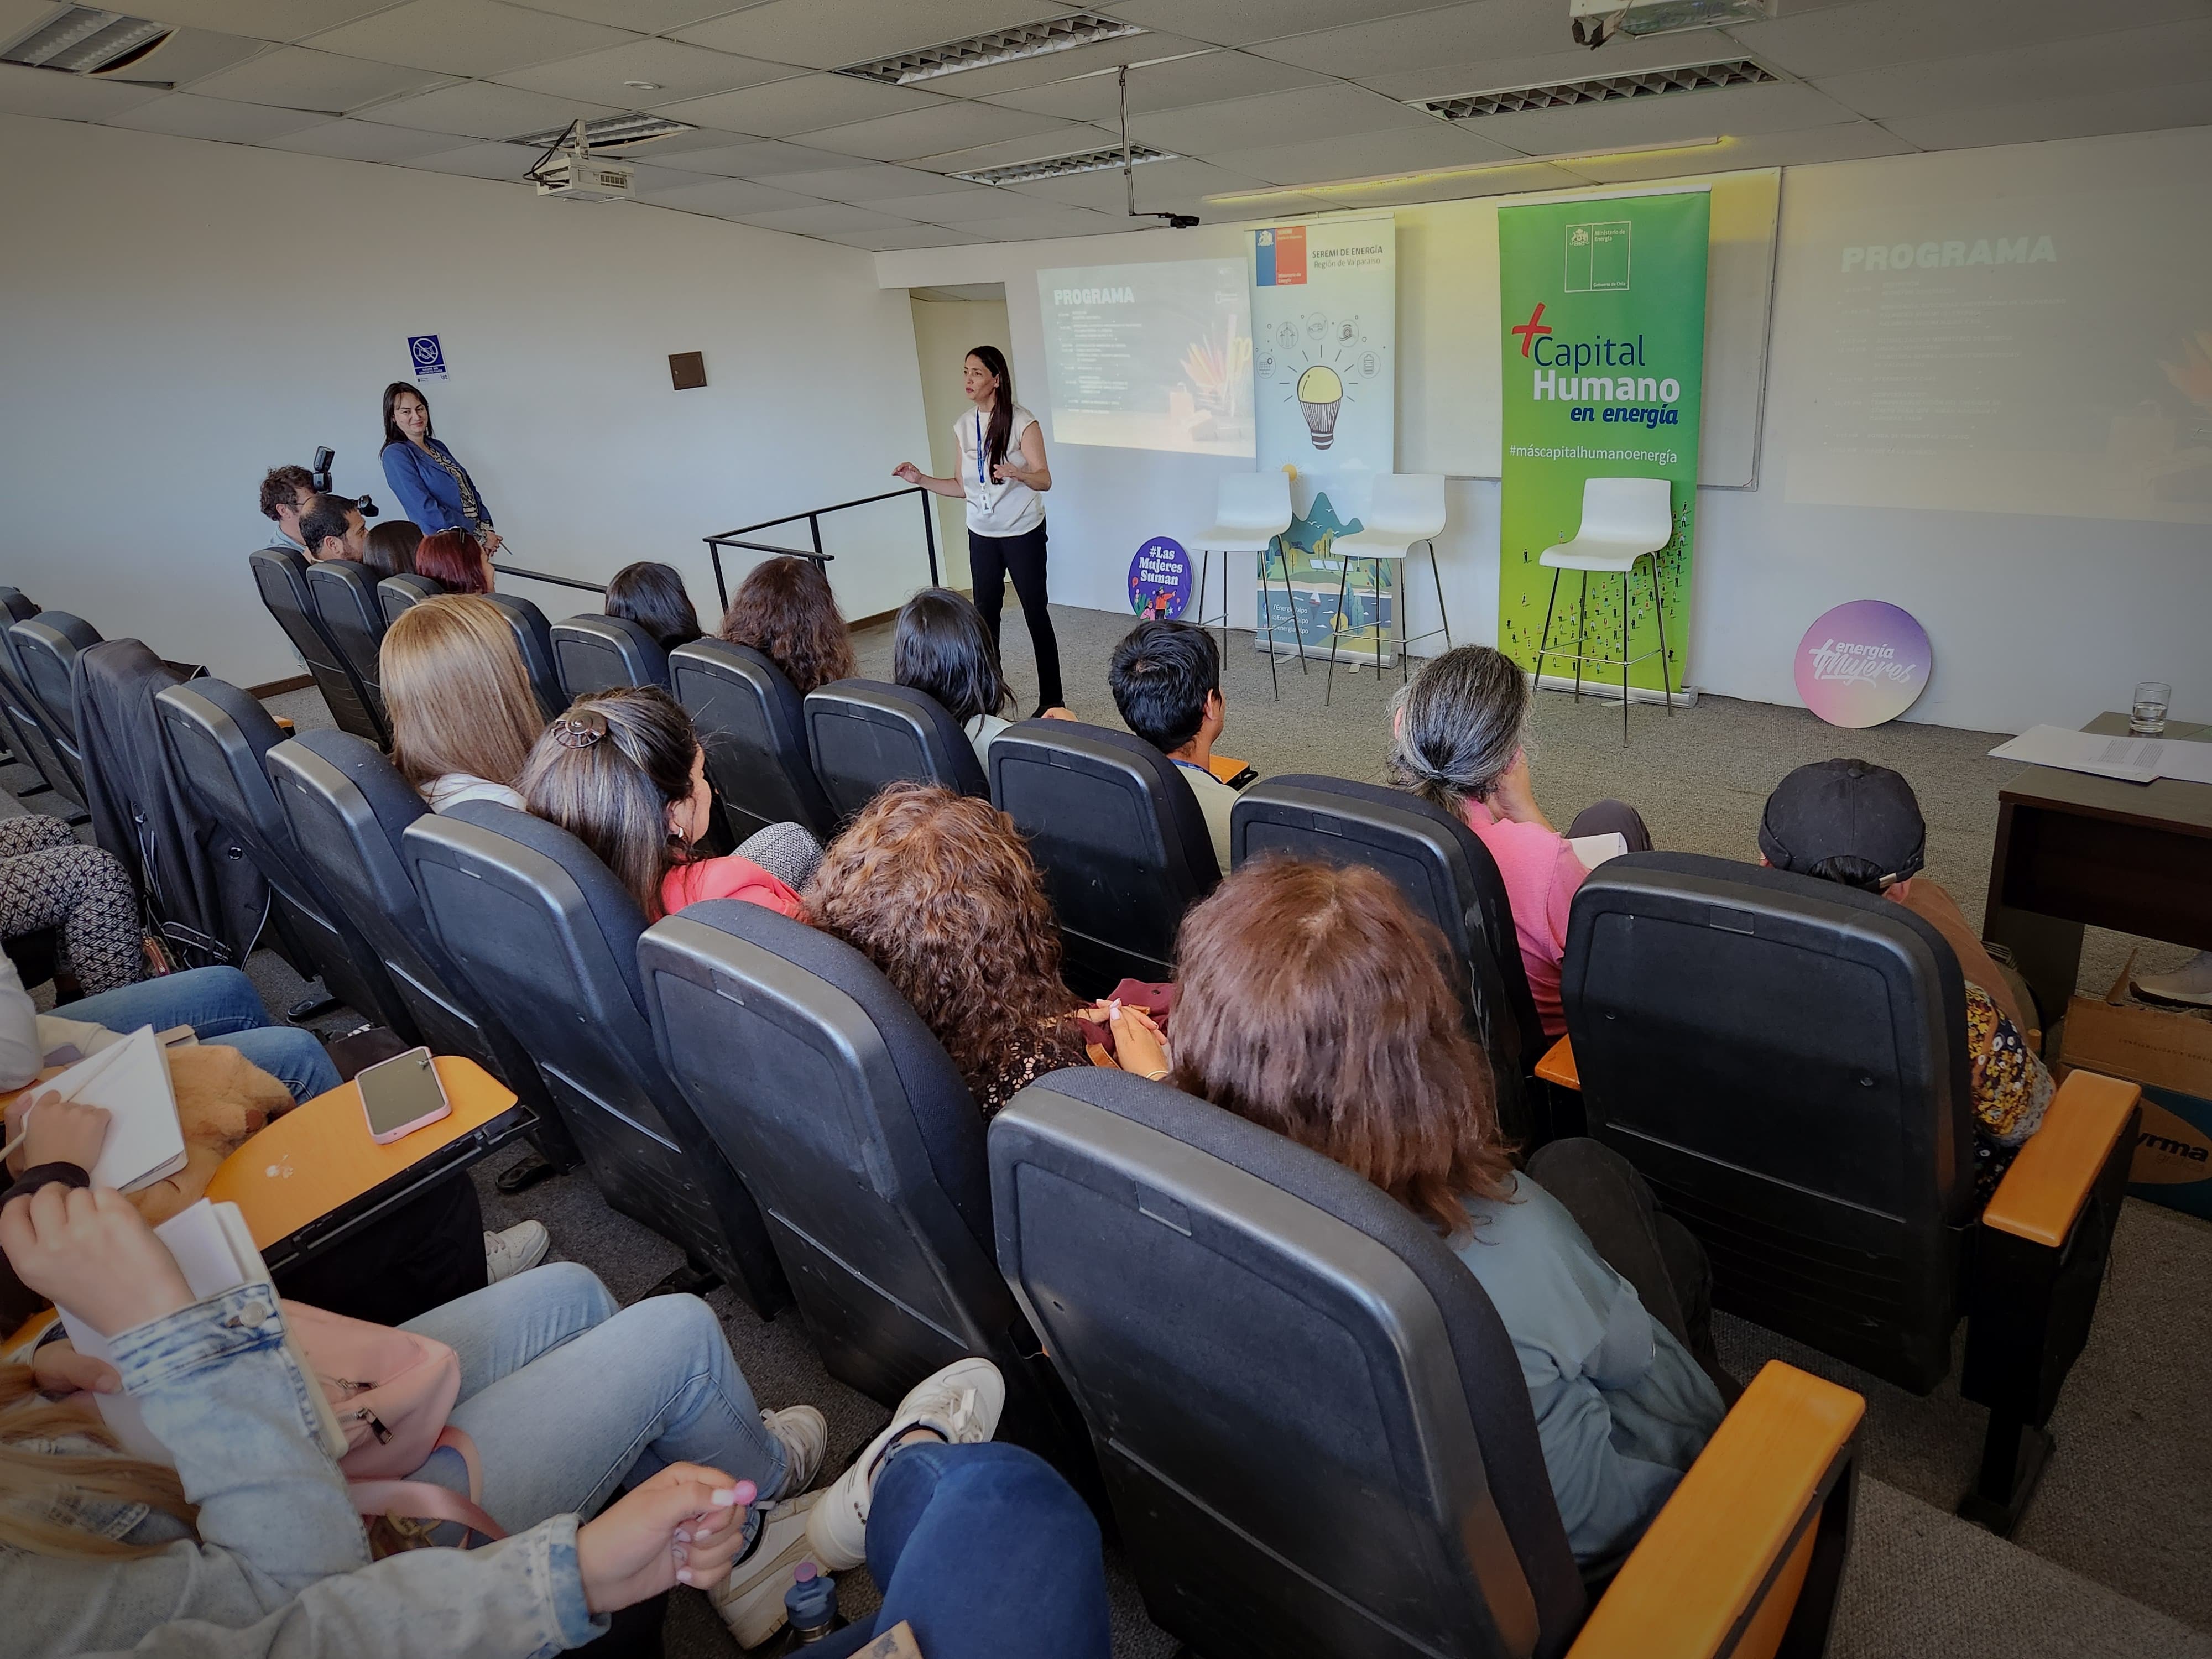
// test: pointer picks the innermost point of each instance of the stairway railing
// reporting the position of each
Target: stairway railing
(813, 516)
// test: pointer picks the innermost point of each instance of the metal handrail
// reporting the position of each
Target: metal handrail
(545, 576)
(813, 517)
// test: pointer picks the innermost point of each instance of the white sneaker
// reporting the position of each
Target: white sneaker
(961, 1403)
(521, 1246)
(804, 1436)
(2190, 982)
(751, 1600)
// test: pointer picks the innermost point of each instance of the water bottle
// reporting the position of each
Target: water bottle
(811, 1602)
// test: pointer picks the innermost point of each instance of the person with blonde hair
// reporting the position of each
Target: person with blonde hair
(463, 714)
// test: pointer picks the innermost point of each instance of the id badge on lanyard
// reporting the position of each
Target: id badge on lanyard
(991, 491)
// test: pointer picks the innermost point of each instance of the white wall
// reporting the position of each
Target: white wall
(176, 317)
(2045, 615)
(945, 331)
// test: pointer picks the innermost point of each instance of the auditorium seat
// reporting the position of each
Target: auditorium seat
(548, 939)
(590, 654)
(864, 734)
(1124, 848)
(533, 637)
(27, 730)
(218, 738)
(344, 593)
(397, 594)
(1786, 1060)
(348, 808)
(1315, 1432)
(753, 726)
(1449, 878)
(280, 573)
(46, 646)
(861, 1143)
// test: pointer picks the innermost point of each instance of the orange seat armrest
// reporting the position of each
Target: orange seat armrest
(1558, 1065)
(2051, 1177)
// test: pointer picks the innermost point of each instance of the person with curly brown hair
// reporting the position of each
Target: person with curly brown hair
(785, 610)
(938, 891)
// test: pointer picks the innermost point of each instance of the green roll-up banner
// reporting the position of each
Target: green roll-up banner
(1603, 308)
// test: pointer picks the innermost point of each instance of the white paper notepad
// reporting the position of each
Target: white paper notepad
(131, 1079)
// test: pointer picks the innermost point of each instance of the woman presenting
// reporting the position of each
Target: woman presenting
(436, 489)
(1004, 475)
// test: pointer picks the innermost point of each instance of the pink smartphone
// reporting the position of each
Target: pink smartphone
(401, 1095)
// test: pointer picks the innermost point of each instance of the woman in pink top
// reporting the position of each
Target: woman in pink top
(1461, 740)
(623, 772)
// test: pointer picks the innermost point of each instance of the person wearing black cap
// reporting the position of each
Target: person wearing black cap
(1851, 822)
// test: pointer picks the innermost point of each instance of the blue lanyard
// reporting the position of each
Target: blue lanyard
(979, 479)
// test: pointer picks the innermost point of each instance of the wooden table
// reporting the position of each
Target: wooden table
(2074, 849)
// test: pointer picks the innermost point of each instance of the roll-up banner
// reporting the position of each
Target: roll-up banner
(1603, 304)
(1324, 338)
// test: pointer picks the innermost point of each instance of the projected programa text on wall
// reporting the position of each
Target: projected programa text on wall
(2026, 330)
(1151, 356)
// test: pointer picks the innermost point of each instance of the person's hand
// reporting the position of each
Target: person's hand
(1140, 1045)
(59, 1131)
(683, 1527)
(1056, 713)
(86, 1249)
(492, 540)
(1513, 797)
(59, 1368)
(908, 471)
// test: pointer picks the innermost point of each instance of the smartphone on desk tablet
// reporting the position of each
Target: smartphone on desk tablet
(402, 1094)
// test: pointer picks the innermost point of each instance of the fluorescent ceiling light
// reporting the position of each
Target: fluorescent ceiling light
(85, 41)
(1597, 89)
(1064, 167)
(1081, 29)
(1442, 175)
(610, 131)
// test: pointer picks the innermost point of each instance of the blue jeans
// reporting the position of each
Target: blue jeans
(568, 1397)
(986, 1553)
(221, 1005)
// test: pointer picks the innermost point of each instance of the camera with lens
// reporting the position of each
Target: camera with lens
(321, 470)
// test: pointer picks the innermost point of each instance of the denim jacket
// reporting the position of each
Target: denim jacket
(280, 1566)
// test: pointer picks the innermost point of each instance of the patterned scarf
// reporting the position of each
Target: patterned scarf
(469, 508)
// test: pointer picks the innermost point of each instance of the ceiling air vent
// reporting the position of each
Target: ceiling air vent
(1080, 28)
(1605, 90)
(1064, 166)
(612, 131)
(83, 40)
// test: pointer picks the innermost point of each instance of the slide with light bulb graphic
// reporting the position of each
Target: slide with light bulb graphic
(1321, 363)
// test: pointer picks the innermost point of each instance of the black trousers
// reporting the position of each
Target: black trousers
(991, 559)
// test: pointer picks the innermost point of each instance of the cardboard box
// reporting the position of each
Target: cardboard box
(2169, 1051)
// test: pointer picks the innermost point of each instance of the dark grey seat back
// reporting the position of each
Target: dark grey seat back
(1312, 1424)
(590, 654)
(395, 594)
(344, 593)
(863, 734)
(1784, 1059)
(46, 645)
(17, 605)
(1449, 878)
(281, 574)
(1120, 838)
(25, 719)
(533, 638)
(548, 939)
(753, 727)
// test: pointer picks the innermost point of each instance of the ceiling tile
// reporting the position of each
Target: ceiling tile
(1364, 154)
(1158, 184)
(1206, 79)
(1727, 112)
(1045, 226)
(757, 159)
(654, 16)
(830, 34)
(2143, 109)
(1843, 38)
(468, 37)
(729, 198)
(677, 71)
(1512, 181)
(824, 219)
(481, 110)
(865, 184)
(1234, 23)
(1098, 56)
(186, 116)
(2165, 55)
(1055, 140)
(364, 141)
(264, 20)
(950, 125)
(1447, 77)
(910, 236)
(967, 205)
(1332, 111)
(295, 77)
(58, 97)
(187, 55)
(507, 162)
(18, 15)
(806, 102)
(1483, 29)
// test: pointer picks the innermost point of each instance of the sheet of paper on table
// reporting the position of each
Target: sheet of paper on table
(2131, 760)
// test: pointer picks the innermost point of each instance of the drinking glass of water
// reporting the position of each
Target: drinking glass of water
(2147, 714)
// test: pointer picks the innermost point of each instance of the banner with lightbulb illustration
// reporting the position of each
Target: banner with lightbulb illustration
(1324, 348)
(1602, 302)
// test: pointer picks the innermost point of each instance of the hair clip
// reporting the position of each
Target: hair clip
(579, 731)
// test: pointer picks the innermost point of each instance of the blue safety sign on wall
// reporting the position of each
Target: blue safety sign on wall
(427, 356)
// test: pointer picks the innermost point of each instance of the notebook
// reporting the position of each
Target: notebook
(130, 1078)
(1594, 850)
(215, 1253)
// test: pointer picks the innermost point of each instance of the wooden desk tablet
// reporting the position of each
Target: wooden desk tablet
(315, 1175)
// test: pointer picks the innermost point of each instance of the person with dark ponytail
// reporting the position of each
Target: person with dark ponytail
(1004, 475)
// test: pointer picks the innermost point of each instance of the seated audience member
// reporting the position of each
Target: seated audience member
(938, 891)
(390, 548)
(1309, 1001)
(1459, 739)
(332, 528)
(456, 560)
(564, 1399)
(1850, 821)
(655, 598)
(623, 772)
(1166, 678)
(942, 647)
(287, 492)
(785, 610)
(463, 714)
(49, 878)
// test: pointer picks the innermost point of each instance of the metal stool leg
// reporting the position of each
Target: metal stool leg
(1659, 605)
(1375, 587)
(1543, 640)
(1335, 631)
(1436, 576)
(1266, 603)
(1290, 602)
(1624, 657)
(1581, 627)
(1205, 562)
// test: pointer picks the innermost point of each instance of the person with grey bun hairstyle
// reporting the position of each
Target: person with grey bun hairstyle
(1460, 740)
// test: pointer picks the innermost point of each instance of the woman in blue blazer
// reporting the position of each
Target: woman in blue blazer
(435, 489)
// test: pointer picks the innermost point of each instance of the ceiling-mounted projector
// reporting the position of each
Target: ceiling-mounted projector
(1596, 21)
(567, 172)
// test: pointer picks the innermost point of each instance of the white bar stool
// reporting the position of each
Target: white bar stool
(1625, 522)
(1405, 508)
(1250, 515)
